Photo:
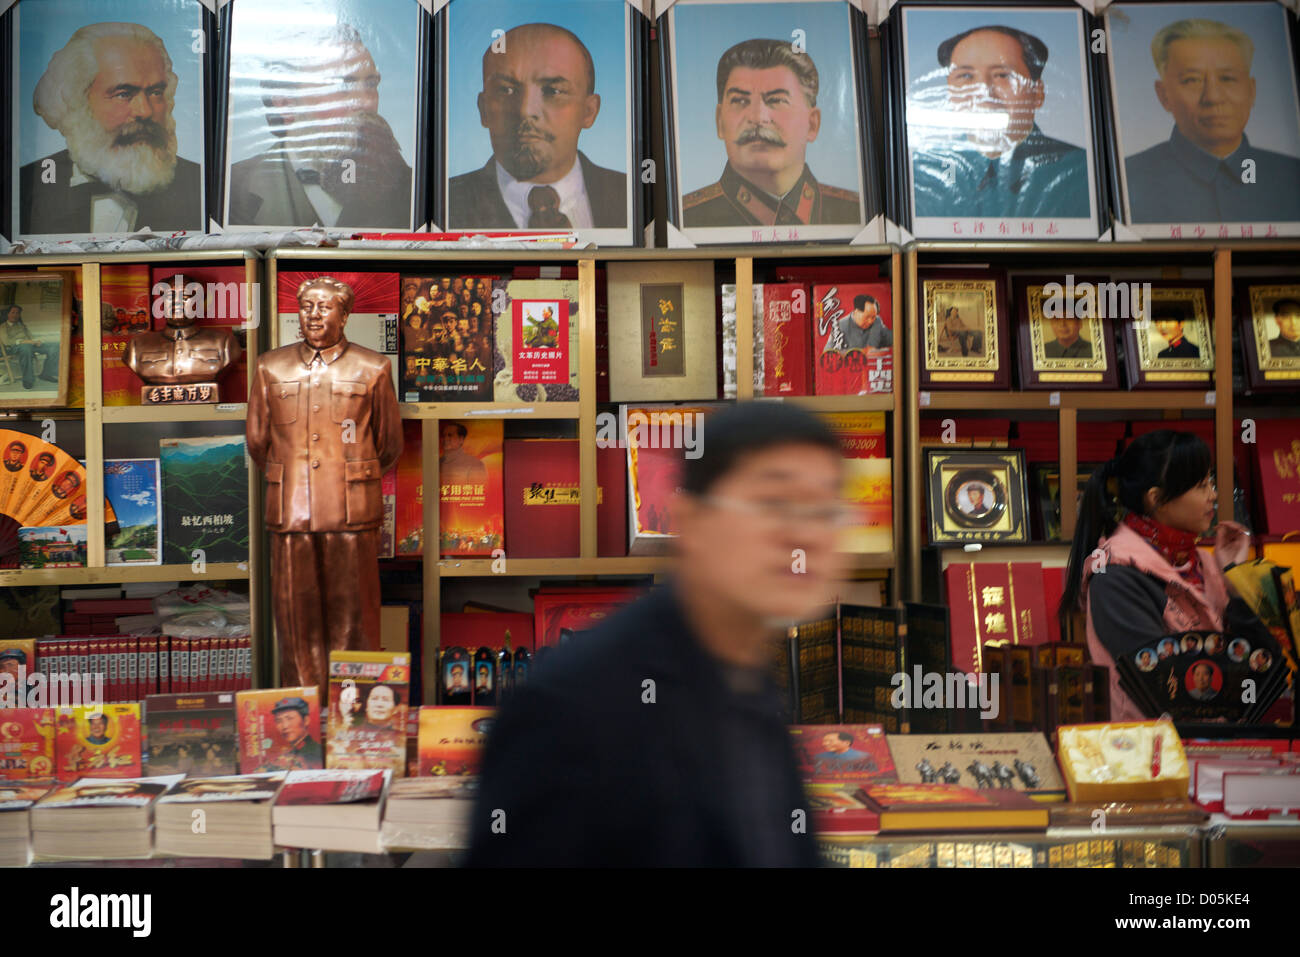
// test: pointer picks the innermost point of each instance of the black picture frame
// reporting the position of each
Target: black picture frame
(487, 212)
(730, 210)
(987, 225)
(179, 209)
(267, 190)
(951, 473)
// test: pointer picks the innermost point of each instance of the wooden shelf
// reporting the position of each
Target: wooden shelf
(1118, 400)
(225, 412)
(880, 402)
(1045, 553)
(626, 254)
(489, 410)
(536, 567)
(115, 574)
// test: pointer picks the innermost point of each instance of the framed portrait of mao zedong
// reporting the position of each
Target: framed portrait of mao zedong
(1206, 118)
(542, 119)
(766, 123)
(1170, 340)
(108, 117)
(1066, 331)
(325, 108)
(993, 122)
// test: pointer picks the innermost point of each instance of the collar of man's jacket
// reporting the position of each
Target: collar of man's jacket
(306, 353)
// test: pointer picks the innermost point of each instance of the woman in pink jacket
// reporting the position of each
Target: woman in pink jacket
(1135, 566)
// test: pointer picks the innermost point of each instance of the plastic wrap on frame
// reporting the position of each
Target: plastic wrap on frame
(325, 105)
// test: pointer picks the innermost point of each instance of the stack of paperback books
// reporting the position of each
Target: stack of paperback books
(429, 813)
(16, 799)
(235, 816)
(100, 819)
(332, 810)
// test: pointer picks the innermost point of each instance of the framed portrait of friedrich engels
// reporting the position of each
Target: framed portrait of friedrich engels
(997, 122)
(1207, 118)
(766, 120)
(108, 117)
(542, 119)
(325, 102)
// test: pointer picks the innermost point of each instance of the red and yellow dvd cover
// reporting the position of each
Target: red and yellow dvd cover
(102, 742)
(451, 739)
(857, 753)
(470, 507)
(369, 695)
(26, 744)
(279, 729)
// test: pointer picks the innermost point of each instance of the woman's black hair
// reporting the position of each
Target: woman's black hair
(1173, 462)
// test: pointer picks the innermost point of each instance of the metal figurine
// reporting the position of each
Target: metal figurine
(324, 425)
(181, 354)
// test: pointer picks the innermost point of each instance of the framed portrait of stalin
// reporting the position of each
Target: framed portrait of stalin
(993, 121)
(324, 103)
(1065, 333)
(542, 119)
(766, 120)
(1206, 118)
(1270, 334)
(108, 107)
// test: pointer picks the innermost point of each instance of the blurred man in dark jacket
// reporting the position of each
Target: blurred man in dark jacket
(657, 739)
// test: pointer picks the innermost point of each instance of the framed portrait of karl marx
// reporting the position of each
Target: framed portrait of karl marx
(1065, 331)
(542, 119)
(1206, 118)
(767, 123)
(994, 130)
(324, 110)
(1270, 333)
(108, 118)
(1170, 340)
(977, 496)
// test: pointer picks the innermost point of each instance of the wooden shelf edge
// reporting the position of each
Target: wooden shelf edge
(114, 414)
(1118, 400)
(114, 574)
(541, 567)
(489, 410)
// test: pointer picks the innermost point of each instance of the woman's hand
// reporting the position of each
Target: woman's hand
(1231, 544)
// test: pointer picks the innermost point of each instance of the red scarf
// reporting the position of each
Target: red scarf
(1176, 546)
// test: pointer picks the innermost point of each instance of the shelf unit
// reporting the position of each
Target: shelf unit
(1084, 259)
(95, 416)
(743, 260)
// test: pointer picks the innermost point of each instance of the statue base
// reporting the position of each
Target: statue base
(194, 393)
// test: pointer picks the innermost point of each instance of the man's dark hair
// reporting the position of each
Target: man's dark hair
(1288, 305)
(1171, 310)
(460, 429)
(12, 306)
(555, 28)
(729, 435)
(1032, 49)
(760, 54)
(844, 736)
(860, 302)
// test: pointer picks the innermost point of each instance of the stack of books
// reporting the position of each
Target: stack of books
(332, 810)
(98, 819)
(429, 813)
(219, 817)
(16, 799)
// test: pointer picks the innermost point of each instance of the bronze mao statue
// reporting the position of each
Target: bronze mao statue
(324, 425)
(182, 353)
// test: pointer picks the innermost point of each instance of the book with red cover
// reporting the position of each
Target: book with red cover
(486, 630)
(840, 809)
(335, 786)
(124, 292)
(659, 437)
(783, 311)
(967, 644)
(470, 505)
(275, 741)
(838, 369)
(101, 742)
(541, 499)
(1277, 444)
(943, 807)
(451, 739)
(843, 753)
(560, 614)
(408, 503)
(26, 744)
(369, 695)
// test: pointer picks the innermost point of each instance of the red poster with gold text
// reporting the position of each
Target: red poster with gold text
(100, 742)
(26, 744)
(471, 509)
